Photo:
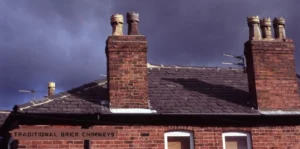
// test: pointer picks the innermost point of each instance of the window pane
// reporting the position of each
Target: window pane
(178, 142)
(236, 142)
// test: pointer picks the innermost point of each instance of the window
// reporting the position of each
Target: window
(236, 140)
(179, 140)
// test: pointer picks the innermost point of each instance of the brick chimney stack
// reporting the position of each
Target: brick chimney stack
(51, 88)
(127, 69)
(271, 67)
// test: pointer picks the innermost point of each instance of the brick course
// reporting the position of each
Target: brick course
(127, 71)
(272, 74)
(152, 137)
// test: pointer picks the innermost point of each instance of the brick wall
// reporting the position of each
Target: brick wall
(127, 71)
(49, 144)
(152, 137)
(272, 74)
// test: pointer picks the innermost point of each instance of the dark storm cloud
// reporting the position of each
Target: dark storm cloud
(198, 32)
(41, 41)
(63, 40)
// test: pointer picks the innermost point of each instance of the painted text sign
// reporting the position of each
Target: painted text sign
(63, 134)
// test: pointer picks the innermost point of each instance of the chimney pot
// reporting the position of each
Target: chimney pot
(266, 25)
(51, 88)
(116, 22)
(133, 20)
(254, 30)
(279, 27)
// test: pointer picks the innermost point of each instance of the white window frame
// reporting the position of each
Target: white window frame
(237, 134)
(179, 134)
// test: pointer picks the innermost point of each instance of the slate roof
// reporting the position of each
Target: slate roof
(88, 98)
(172, 89)
(199, 90)
(3, 115)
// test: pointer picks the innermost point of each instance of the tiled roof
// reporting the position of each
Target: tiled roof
(171, 90)
(199, 90)
(3, 115)
(88, 98)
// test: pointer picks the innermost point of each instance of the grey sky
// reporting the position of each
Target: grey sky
(63, 40)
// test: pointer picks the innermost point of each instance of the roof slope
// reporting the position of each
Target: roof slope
(199, 90)
(172, 89)
(3, 115)
(88, 98)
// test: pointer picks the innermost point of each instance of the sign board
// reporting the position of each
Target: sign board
(63, 134)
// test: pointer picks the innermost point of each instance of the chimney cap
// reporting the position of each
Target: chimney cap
(266, 22)
(279, 21)
(117, 18)
(132, 16)
(253, 20)
(51, 84)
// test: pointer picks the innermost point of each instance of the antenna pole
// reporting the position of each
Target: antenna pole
(239, 58)
(29, 91)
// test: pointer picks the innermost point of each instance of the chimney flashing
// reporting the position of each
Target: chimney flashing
(132, 110)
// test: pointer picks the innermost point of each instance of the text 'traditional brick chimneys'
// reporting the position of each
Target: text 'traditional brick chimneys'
(271, 66)
(127, 65)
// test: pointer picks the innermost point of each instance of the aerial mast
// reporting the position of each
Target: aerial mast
(240, 58)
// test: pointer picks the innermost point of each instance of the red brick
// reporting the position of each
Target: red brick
(127, 71)
(267, 137)
(272, 74)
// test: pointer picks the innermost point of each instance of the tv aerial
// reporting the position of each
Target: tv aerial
(239, 58)
(28, 91)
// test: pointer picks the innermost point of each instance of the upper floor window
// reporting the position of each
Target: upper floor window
(179, 140)
(236, 140)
